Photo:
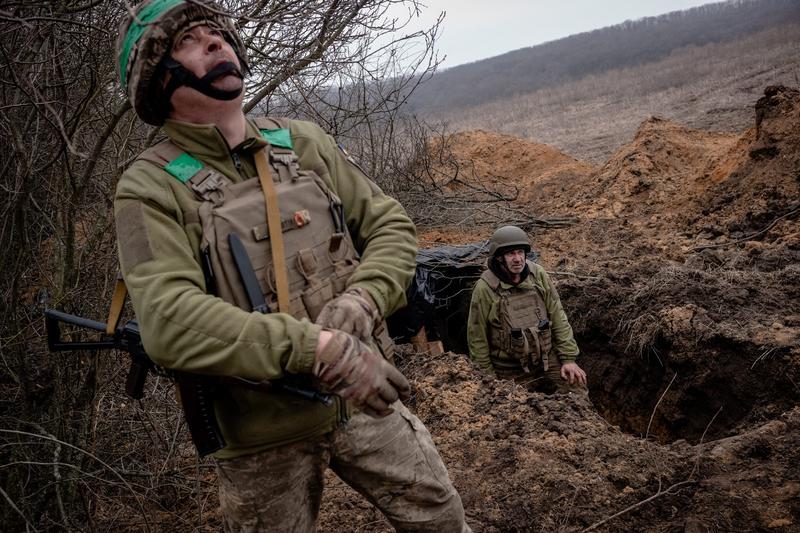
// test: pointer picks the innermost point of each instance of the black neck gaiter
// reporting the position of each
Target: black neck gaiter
(498, 268)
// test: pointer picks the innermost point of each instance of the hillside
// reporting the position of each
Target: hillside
(711, 87)
(682, 283)
(572, 58)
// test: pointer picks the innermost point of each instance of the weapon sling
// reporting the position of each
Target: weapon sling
(274, 227)
(117, 302)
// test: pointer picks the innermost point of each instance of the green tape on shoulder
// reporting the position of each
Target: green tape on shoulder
(184, 167)
(281, 138)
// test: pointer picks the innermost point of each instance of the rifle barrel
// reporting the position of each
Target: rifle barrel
(74, 320)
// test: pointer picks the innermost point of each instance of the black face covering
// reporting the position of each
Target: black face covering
(180, 75)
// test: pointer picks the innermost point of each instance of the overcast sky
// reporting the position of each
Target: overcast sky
(477, 29)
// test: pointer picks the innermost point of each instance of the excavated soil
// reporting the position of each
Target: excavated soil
(681, 278)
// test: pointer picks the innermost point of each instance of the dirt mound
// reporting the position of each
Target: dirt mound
(524, 461)
(672, 189)
(761, 183)
(501, 161)
(656, 174)
(682, 283)
(503, 155)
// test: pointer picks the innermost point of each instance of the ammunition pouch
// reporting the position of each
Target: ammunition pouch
(518, 345)
(524, 332)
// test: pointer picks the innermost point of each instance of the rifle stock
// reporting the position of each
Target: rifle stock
(196, 391)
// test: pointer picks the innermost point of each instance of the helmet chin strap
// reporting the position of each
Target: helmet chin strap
(180, 75)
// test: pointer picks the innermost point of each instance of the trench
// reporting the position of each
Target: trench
(717, 388)
(688, 390)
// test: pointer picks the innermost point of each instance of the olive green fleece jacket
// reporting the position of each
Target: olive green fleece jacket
(484, 310)
(186, 329)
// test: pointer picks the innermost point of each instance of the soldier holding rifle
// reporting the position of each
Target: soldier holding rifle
(255, 248)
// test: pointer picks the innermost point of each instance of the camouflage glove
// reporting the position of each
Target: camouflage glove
(353, 312)
(348, 367)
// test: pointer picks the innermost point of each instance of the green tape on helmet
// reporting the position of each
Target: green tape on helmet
(146, 37)
(147, 15)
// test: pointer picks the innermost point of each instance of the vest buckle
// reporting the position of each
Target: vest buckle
(287, 161)
(210, 184)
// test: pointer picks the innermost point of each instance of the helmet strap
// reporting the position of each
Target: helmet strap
(181, 76)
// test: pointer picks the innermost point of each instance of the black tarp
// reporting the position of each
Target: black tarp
(439, 295)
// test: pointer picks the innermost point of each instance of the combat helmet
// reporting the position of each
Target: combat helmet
(506, 238)
(143, 57)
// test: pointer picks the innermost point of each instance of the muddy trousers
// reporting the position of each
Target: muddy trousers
(391, 461)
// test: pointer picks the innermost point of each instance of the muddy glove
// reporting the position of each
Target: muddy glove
(348, 367)
(353, 312)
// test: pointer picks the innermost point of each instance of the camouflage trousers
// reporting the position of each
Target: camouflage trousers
(540, 380)
(391, 461)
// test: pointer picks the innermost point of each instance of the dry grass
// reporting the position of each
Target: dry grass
(647, 320)
(711, 87)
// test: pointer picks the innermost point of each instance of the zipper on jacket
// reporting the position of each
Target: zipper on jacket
(237, 162)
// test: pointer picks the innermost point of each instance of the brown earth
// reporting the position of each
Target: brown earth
(499, 160)
(682, 282)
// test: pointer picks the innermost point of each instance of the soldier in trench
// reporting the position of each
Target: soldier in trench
(348, 253)
(517, 328)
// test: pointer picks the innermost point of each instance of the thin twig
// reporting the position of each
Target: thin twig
(700, 444)
(14, 506)
(653, 414)
(762, 356)
(639, 504)
(690, 480)
(573, 274)
(748, 237)
(89, 454)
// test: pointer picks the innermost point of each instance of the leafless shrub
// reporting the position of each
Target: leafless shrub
(440, 189)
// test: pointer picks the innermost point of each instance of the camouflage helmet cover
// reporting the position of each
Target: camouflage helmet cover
(147, 36)
(506, 238)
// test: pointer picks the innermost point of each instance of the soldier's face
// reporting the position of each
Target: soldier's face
(200, 49)
(514, 260)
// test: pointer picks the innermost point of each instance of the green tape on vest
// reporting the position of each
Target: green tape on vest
(280, 138)
(184, 167)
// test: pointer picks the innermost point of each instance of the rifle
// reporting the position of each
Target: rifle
(196, 390)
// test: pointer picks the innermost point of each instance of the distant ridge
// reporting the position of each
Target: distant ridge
(628, 44)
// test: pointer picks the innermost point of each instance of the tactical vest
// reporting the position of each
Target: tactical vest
(524, 331)
(319, 252)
